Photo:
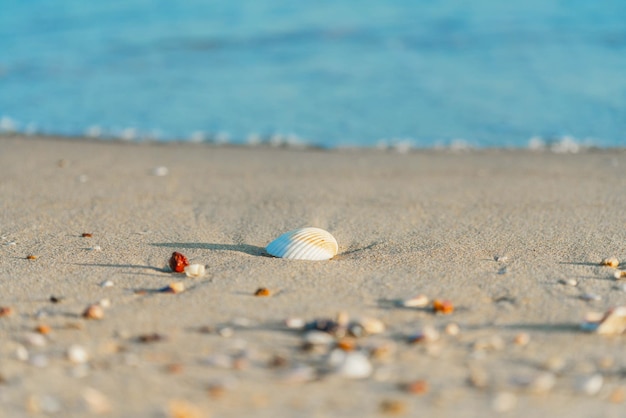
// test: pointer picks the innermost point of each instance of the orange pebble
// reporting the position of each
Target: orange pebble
(443, 306)
(262, 291)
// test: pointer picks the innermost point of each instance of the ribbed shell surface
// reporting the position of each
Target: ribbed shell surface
(304, 244)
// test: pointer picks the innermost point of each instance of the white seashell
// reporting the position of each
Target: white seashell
(195, 270)
(304, 244)
(613, 322)
(77, 354)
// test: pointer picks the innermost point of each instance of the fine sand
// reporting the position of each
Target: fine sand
(424, 222)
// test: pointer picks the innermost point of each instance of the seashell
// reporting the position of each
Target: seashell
(304, 244)
(351, 365)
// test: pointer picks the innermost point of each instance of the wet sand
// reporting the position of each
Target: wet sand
(423, 222)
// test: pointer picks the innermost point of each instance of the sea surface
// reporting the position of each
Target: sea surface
(330, 73)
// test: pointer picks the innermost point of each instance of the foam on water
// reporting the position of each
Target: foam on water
(395, 75)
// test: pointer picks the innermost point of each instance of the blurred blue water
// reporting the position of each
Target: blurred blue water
(332, 73)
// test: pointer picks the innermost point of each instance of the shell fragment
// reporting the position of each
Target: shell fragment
(304, 244)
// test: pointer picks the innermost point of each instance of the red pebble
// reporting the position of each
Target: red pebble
(178, 262)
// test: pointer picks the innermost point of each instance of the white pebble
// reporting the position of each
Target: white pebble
(160, 171)
(590, 297)
(295, 323)
(105, 303)
(11, 243)
(569, 282)
(77, 354)
(83, 178)
(504, 402)
(318, 338)
(96, 402)
(107, 283)
(591, 385)
(542, 383)
(195, 270)
(418, 301)
(35, 340)
(21, 353)
(452, 329)
(351, 365)
(96, 248)
(226, 332)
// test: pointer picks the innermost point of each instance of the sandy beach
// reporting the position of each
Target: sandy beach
(513, 239)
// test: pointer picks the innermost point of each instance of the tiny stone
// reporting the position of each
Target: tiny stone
(226, 332)
(160, 171)
(620, 274)
(318, 338)
(6, 311)
(299, 374)
(542, 383)
(393, 407)
(262, 291)
(83, 178)
(501, 258)
(35, 340)
(295, 323)
(86, 235)
(521, 339)
(419, 301)
(610, 262)
(590, 297)
(93, 312)
(417, 387)
(31, 257)
(77, 354)
(452, 329)
(504, 401)
(351, 365)
(195, 270)
(21, 353)
(43, 329)
(554, 364)
(591, 385)
(96, 401)
(55, 299)
(618, 395)
(569, 282)
(478, 378)
(11, 243)
(105, 303)
(96, 248)
(107, 283)
(443, 306)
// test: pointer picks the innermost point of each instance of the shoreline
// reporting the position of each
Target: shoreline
(497, 232)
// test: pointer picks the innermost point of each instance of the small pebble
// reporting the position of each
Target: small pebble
(86, 235)
(610, 262)
(501, 258)
(195, 270)
(107, 283)
(105, 303)
(620, 274)
(83, 178)
(96, 402)
(93, 312)
(371, 326)
(21, 353)
(96, 248)
(590, 385)
(179, 408)
(43, 329)
(6, 311)
(427, 334)
(178, 262)
(452, 329)
(151, 338)
(262, 291)
(226, 332)
(443, 306)
(77, 354)
(299, 374)
(351, 365)
(174, 287)
(417, 387)
(588, 297)
(569, 282)
(521, 339)
(35, 340)
(504, 402)
(55, 299)
(160, 171)
(419, 301)
(11, 243)
(31, 257)
(318, 338)
(542, 383)
(393, 407)
(618, 395)
(295, 323)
